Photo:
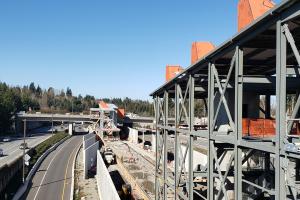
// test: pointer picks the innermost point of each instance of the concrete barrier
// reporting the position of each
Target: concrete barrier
(133, 135)
(88, 142)
(106, 187)
(23, 189)
(90, 158)
(88, 136)
(70, 129)
(198, 158)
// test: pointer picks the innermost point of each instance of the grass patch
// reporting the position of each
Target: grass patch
(41, 148)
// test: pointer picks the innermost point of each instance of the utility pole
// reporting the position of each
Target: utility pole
(23, 177)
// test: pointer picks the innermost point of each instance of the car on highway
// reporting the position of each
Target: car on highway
(23, 146)
(6, 139)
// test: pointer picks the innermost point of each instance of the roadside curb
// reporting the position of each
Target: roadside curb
(23, 189)
(73, 173)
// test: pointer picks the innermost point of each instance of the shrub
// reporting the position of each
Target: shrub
(41, 148)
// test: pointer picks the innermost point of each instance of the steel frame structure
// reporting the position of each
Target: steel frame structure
(238, 66)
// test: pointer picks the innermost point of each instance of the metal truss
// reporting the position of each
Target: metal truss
(229, 152)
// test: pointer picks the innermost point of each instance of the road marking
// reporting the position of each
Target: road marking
(66, 172)
(48, 168)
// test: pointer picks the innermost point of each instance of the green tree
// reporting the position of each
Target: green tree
(38, 91)
(32, 87)
(69, 92)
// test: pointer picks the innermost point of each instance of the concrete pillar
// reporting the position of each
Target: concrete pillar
(70, 129)
(143, 136)
(153, 142)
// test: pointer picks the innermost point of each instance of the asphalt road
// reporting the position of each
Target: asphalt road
(12, 151)
(53, 178)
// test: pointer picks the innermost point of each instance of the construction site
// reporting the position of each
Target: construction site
(225, 127)
(245, 144)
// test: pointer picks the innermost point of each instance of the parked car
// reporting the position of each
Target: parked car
(24, 146)
(6, 139)
(1, 153)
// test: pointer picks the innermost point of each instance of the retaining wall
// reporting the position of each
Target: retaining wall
(106, 187)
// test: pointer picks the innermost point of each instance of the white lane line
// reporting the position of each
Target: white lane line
(48, 169)
(66, 173)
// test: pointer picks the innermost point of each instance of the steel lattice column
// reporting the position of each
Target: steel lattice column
(280, 111)
(238, 123)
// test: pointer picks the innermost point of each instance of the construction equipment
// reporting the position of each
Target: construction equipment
(109, 156)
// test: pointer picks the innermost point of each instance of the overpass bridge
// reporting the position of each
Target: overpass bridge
(35, 120)
(56, 117)
(76, 118)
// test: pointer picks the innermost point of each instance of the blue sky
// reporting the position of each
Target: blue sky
(111, 48)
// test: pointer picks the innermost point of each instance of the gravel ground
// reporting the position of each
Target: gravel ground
(87, 188)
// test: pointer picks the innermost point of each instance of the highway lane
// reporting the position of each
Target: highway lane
(53, 178)
(12, 151)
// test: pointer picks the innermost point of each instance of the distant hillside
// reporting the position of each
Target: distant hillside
(32, 98)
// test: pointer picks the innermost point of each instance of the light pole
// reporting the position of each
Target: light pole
(23, 174)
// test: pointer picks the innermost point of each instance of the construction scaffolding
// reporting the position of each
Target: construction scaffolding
(248, 156)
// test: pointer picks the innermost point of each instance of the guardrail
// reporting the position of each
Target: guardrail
(23, 189)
